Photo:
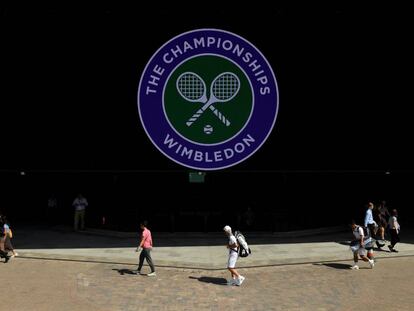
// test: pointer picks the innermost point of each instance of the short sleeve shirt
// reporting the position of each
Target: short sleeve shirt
(393, 223)
(146, 235)
(232, 240)
(358, 233)
(80, 204)
(368, 218)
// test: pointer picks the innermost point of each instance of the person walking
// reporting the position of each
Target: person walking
(8, 246)
(145, 247)
(3, 252)
(383, 216)
(236, 278)
(394, 227)
(358, 246)
(372, 228)
(80, 203)
(369, 221)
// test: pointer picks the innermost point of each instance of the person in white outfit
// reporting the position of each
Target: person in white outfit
(358, 246)
(236, 278)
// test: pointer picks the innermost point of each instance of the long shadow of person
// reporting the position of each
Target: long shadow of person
(344, 242)
(125, 271)
(380, 249)
(209, 279)
(334, 265)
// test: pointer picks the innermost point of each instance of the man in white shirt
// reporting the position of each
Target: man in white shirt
(358, 246)
(394, 227)
(369, 221)
(80, 203)
(236, 278)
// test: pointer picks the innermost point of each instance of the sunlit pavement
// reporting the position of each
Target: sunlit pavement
(38, 284)
(193, 250)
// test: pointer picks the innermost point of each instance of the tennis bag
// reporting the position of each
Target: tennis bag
(244, 249)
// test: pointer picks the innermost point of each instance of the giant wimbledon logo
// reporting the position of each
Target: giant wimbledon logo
(208, 99)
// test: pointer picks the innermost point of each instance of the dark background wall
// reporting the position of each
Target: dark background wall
(69, 78)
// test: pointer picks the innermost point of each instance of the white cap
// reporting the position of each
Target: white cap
(227, 229)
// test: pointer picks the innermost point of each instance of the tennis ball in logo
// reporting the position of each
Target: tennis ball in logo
(208, 129)
(200, 79)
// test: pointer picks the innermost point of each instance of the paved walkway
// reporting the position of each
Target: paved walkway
(194, 250)
(92, 271)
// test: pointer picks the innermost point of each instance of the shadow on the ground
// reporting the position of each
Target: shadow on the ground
(209, 279)
(377, 249)
(125, 271)
(334, 265)
(344, 242)
(61, 237)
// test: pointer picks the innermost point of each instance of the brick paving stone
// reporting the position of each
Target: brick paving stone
(35, 284)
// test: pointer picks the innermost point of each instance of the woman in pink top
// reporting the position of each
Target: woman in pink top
(145, 246)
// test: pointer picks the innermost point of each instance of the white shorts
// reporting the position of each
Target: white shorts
(360, 250)
(232, 259)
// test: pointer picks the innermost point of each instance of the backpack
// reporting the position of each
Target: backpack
(244, 249)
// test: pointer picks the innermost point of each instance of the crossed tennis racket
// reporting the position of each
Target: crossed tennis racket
(192, 88)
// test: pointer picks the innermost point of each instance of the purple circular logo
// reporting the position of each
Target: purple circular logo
(208, 99)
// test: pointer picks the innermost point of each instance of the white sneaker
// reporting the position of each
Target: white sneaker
(240, 280)
(355, 267)
(371, 263)
(231, 282)
(151, 274)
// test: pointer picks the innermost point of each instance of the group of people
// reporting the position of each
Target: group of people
(377, 222)
(6, 235)
(79, 204)
(145, 247)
